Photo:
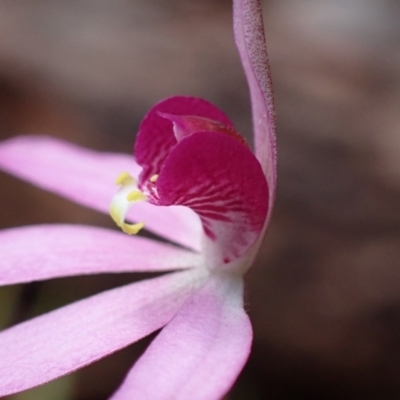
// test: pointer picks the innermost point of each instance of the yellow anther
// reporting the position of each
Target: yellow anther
(154, 178)
(132, 229)
(124, 179)
(126, 196)
(136, 195)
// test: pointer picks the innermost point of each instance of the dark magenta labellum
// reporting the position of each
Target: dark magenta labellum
(192, 156)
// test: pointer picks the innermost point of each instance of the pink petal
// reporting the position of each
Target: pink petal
(250, 41)
(88, 177)
(51, 251)
(156, 138)
(221, 180)
(69, 338)
(200, 353)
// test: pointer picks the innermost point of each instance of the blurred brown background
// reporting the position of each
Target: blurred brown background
(324, 296)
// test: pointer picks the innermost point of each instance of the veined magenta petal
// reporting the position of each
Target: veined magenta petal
(156, 138)
(186, 125)
(222, 181)
(49, 251)
(250, 41)
(88, 177)
(54, 344)
(200, 353)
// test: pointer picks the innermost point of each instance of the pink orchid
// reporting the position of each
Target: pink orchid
(199, 186)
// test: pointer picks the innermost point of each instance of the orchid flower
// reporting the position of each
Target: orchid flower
(196, 183)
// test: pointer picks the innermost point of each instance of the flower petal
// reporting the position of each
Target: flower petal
(156, 137)
(186, 125)
(222, 181)
(250, 41)
(88, 177)
(69, 338)
(200, 353)
(50, 251)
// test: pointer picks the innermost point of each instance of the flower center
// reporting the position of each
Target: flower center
(124, 199)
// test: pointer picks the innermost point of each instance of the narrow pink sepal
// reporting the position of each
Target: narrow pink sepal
(82, 175)
(88, 178)
(200, 353)
(222, 181)
(250, 41)
(156, 137)
(57, 343)
(49, 251)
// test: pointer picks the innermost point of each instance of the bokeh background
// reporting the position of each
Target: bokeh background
(324, 296)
